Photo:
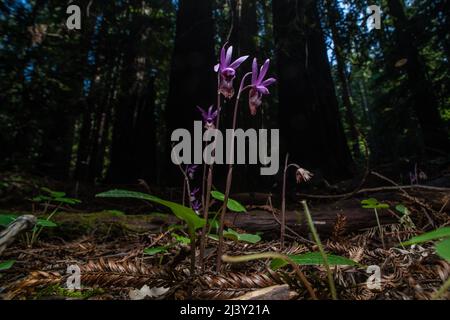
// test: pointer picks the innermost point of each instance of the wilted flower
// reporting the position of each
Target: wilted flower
(227, 71)
(209, 117)
(259, 85)
(190, 170)
(303, 175)
(423, 175)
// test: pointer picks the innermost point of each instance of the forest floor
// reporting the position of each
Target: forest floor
(109, 245)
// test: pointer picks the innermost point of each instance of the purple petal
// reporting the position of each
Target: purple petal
(204, 114)
(222, 55)
(238, 62)
(262, 89)
(268, 82)
(263, 71)
(216, 67)
(228, 57)
(254, 71)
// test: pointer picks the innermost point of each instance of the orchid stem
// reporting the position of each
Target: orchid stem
(209, 180)
(229, 176)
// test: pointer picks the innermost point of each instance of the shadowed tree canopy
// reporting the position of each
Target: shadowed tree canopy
(309, 118)
(99, 104)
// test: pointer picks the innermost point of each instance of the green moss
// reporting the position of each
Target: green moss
(56, 290)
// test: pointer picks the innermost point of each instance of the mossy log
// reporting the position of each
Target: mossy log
(72, 225)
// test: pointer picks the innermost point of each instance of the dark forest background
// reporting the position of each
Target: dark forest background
(97, 105)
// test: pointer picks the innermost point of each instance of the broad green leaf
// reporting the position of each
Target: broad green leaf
(181, 239)
(46, 223)
(6, 219)
(233, 205)
(245, 237)
(250, 238)
(443, 249)
(186, 214)
(432, 235)
(5, 265)
(155, 250)
(313, 258)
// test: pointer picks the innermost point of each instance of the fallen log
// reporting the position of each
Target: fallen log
(324, 219)
(72, 225)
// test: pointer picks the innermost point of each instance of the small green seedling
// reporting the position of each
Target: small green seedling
(374, 204)
(49, 198)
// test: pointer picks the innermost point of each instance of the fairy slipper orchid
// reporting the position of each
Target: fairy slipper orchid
(258, 85)
(209, 117)
(227, 71)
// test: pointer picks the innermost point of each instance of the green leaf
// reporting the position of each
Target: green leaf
(432, 235)
(54, 194)
(402, 209)
(67, 200)
(233, 205)
(443, 249)
(186, 214)
(213, 223)
(373, 203)
(45, 223)
(181, 239)
(245, 237)
(313, 258)
(155, 250)
(6, 219)
(250, 238)
(41, 199)
(5, 265)
(213, 236)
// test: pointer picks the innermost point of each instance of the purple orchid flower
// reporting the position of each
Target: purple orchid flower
(227, 70)
(208, 117)
(259, 85)
(196, 206)
(190, 170)
(194, 193)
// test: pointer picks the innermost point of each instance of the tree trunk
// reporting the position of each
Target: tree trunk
(424, 101)
(334, 19)
(133, 145)
(192, 79)
(309, 116)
